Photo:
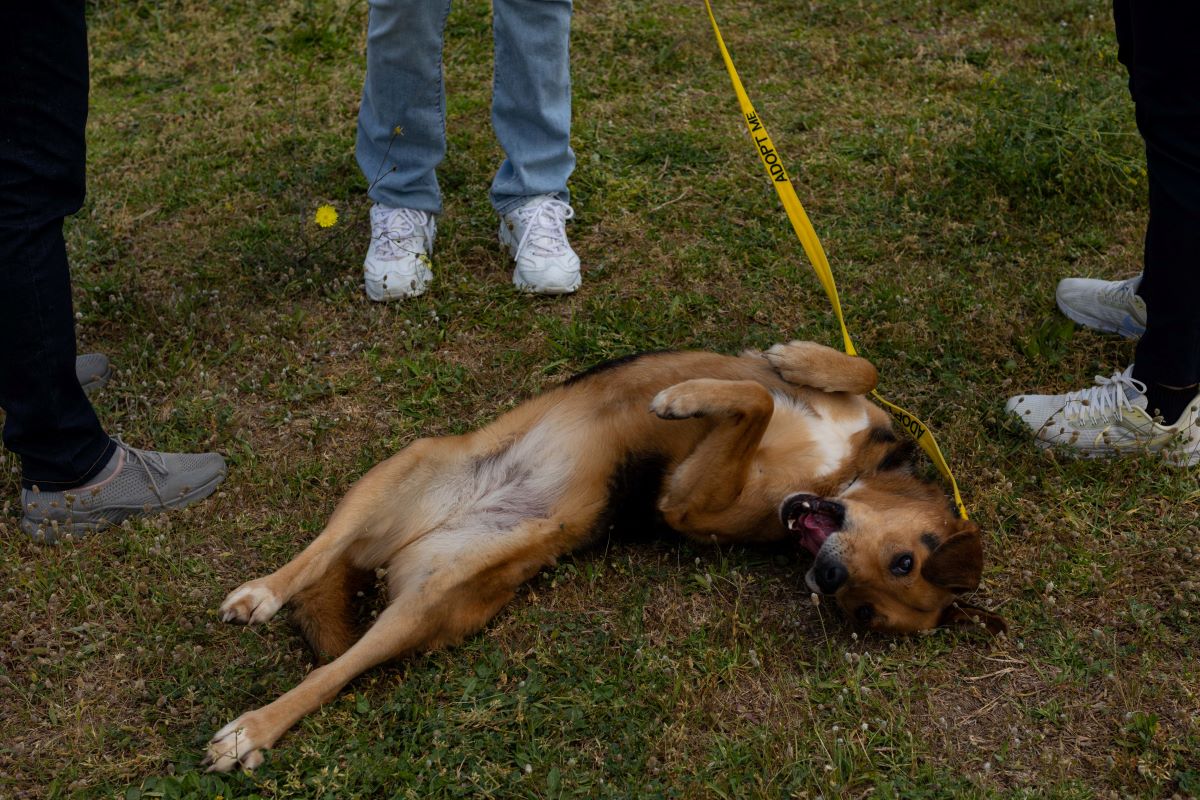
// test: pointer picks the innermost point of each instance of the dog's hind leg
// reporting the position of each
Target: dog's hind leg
(367, 525)
(326, 612)
(445, 590)
(399, 629)
(821, 367)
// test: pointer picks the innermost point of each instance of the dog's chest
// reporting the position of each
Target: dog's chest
(823, 436)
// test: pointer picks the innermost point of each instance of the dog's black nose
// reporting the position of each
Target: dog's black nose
(830, 575)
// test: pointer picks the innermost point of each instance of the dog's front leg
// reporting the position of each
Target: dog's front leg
(702, 493)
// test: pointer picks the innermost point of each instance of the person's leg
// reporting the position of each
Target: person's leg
(1151, 406)
(531, 113)
(49, 422)
(402, 119)
(401, 141)
(1156, 47)
(76, 479)
(531, 100)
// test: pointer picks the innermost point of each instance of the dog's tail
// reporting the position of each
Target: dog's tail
(326, 611)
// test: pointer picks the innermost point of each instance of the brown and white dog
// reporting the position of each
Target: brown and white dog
(756, 448)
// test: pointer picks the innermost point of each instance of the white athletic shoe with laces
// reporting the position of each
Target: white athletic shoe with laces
(397, 264)
(535, 235)
(1108, 306)
(1109, 419)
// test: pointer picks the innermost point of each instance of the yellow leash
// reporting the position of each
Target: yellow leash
(816, 255)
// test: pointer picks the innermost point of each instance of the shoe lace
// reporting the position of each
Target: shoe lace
(544, 227)
(403, 224)
(1108, 398)
(151, 461)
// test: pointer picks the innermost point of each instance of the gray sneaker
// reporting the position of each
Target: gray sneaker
(93, 371)
(133, 483)
(1108, 306)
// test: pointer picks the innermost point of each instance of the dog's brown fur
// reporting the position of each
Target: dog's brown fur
(460, 522)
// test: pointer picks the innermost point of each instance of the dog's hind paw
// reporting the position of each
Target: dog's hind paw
(250, 604)
(233, 746)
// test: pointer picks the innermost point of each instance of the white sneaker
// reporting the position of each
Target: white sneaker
(397, 263)
(1109, 419)
(535, 235)
(1109, 306)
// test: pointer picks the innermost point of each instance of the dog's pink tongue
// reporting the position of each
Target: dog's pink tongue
(813, 534)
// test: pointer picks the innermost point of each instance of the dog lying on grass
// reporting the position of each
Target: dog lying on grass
(757, 448)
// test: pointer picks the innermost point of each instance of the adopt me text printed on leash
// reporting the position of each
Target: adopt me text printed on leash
(816, 256)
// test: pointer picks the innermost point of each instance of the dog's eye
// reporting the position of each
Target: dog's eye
(903, 564)
(864, 613)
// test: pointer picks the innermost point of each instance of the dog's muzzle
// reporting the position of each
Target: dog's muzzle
(812, 519)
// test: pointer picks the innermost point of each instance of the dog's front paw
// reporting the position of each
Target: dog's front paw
(237, 744)
(681, 401)
(797, 361)
(821, 367)
(250, 604)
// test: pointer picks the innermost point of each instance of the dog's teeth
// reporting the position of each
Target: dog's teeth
(806, 504)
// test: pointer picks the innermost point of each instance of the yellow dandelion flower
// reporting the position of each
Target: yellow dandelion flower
(326, 216)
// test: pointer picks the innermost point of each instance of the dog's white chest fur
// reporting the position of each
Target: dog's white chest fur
(828, 434)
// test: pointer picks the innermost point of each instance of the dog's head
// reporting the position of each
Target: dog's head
(888, 549)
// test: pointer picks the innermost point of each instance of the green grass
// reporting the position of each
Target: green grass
(957, 159)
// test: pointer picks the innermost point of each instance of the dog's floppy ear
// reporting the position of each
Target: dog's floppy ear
(961, 615)
(957, 563)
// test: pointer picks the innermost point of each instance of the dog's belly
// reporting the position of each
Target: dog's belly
(521, 480)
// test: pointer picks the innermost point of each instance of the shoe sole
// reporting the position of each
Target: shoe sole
(96, 382)
(51, 535)
(1098, 325)
(1172, 458)
(376, 296)
(379, 295)
(529, 288)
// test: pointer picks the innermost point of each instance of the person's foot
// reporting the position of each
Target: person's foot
(93, 371)
(1109, 419)
(535, 235)
(133, 483)
(1108, 306)
(397, 264)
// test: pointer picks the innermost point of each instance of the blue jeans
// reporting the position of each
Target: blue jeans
(531, 101)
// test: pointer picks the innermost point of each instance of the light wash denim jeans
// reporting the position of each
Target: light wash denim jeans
(531, 101)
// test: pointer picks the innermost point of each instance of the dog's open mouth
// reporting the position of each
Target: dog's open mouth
(812, 519)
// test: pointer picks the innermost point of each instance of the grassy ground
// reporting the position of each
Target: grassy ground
(957, 158)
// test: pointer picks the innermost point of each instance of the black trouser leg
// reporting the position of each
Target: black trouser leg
(49, 422)
(1158, 47)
